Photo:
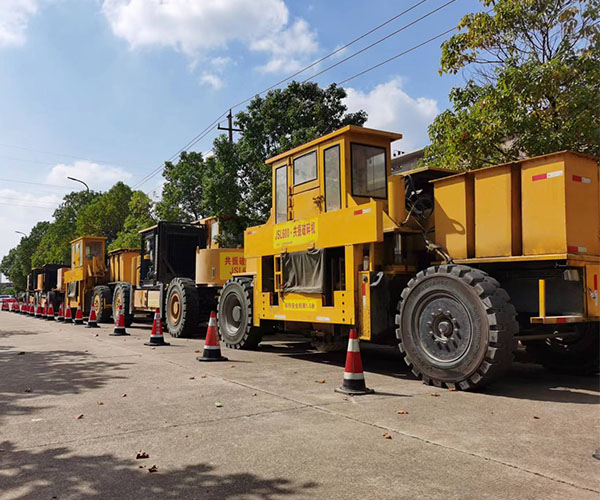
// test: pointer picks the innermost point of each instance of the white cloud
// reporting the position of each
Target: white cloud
(288, 49)
(198, 27)
(14, 17)
(390, 108)
(98, 177)
(212, 80)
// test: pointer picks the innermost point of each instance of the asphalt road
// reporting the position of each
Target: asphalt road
(77, 405)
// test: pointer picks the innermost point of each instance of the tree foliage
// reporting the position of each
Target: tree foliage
(105, 215)
(18, 262)
(139, 217)
(533, 84)
(55, 247)
(182, 192)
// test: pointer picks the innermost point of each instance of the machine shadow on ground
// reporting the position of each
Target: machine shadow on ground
(29, 375)
(60, 473)
(523, 381)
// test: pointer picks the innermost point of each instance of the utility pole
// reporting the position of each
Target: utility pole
(229, 127)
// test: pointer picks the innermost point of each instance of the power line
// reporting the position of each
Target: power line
(103, 162)
(336, 51)
(397, 55)
(57, 186)
(377, 42)
(205, 131)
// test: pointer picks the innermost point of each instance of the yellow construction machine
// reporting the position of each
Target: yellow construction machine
(454, 273)
(90, 280)
(179, 270)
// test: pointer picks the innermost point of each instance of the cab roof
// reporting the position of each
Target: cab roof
(392, 136)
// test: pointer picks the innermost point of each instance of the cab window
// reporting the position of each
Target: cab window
(331, 161)
(281, 194)
(305, 168)
(368, 171)
(93, 249)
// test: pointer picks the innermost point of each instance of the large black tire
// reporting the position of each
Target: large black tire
(182, 308)
(102, 299)
(574, 354)
(234, 314)
(456, 327)
(121, 297)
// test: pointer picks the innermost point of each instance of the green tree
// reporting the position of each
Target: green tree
(17, 263)
(533, 84)
(105, 215)
(283, 119)
(139, 217)
(55, 247)
(182, 192)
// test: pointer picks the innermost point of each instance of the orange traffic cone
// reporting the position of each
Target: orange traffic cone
(212, 349)
(50, 312)
(68, 314)
(78, 315)
(156, 336)
(61, 313)
(354, 378)
(119, 324)
(92, 320)
(30, 310)
(39, 313)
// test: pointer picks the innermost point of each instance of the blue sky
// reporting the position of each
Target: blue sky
(105, 90)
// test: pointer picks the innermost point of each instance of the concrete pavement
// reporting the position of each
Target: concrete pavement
(276, 432)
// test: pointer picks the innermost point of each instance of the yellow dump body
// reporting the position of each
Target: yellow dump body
(123, 265)
(538, 209)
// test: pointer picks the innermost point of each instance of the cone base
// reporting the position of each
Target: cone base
(119, 334)
(220, 358)
(354, 392)
(92, 325)
(156, 344)
(78, 322)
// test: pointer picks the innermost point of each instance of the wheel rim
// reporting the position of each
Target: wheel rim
(174, 309)
(118, 301)
(231, 312)
(442, 327)
(96, 303)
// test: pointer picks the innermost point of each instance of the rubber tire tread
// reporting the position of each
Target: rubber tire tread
(105, 294)
(501, 318)
(190, 307)
(124, 289)
(252, 334)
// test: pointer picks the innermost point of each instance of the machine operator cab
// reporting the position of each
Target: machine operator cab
(346, 168)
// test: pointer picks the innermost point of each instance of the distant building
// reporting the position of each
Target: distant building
(407, 161)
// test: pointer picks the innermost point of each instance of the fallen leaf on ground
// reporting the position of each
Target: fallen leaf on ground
(186, 435)
(192, 378)
(232, 366)
(452, 389)
(197, 350)
(99, 403)
(96, 335)
(142, 454)
(435, 394)
(537, 418)
(27, 389)
(386, 435)
(254, 394)
(123, 395)
(202, 376)
(79, 417)
(141, 466)
(218, 404)
(154, 468)
(402, 412)
(320, 381)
